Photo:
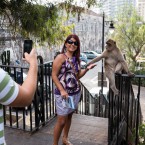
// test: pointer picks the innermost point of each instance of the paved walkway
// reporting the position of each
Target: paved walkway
(85, 130)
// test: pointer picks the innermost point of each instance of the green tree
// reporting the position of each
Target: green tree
(129, 35)
(42, 21)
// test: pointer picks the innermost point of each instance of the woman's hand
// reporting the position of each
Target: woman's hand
(91, 66)
(64, 94)
(84, 71)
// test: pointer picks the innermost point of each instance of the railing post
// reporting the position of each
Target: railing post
(39, 97)
(127, 111)
(137, 118)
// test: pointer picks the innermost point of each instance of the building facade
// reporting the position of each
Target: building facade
(111, 8)
(89, 30)
(141, 8)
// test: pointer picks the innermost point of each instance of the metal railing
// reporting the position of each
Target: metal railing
(124, 112)
(96, 105)
(42, 109)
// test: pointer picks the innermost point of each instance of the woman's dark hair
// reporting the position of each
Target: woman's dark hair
(77, 52)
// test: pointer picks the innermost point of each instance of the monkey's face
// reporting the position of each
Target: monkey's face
(110, 45)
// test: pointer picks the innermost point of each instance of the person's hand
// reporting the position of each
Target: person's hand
(64, 94)
(31, 58)
(91, 66)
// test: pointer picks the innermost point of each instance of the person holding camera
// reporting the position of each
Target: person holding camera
(66, 73)
(15, 95)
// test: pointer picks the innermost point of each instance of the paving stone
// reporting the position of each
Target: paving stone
(85, 130)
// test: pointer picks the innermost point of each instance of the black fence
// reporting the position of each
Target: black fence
(42, 108)
(123, 111)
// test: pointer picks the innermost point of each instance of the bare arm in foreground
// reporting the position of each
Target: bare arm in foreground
(28, 88)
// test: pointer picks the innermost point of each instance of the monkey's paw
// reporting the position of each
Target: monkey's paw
(130, 74)
(116, 92)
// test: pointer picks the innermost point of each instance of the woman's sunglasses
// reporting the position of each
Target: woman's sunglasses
(72, 42)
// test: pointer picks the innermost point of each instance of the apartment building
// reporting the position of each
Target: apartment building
(141, 8)
(111, 8)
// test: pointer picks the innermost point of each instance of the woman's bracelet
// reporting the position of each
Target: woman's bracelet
(86, 69)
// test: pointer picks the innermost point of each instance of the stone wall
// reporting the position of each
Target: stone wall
(89, 30)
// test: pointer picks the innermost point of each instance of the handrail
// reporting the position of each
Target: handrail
(42, 109)
(124, 111)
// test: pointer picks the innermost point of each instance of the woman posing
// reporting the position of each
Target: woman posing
(66, 73)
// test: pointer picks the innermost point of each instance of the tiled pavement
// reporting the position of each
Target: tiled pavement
(85, 130)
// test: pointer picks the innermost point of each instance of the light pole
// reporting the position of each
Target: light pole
(111, 29)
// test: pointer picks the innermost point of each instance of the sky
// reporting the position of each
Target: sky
(76, 2)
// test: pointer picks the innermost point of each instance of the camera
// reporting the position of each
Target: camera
(27, 46)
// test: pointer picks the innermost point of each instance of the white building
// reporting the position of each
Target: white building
(141, 8)
(89, 30)
(111, 8)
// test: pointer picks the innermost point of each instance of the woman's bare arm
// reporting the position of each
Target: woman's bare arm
(57, 64)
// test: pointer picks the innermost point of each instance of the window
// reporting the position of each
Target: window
(2, 42)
